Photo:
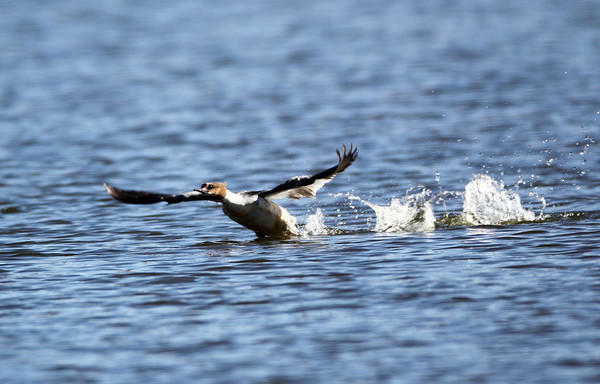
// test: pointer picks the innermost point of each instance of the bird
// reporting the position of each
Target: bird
(254, 210)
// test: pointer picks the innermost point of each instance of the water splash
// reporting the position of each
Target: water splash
(315, 225)
(413, 213)
(486, 202)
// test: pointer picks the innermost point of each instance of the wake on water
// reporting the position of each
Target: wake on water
(485, 202)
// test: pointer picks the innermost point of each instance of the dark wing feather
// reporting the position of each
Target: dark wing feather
(307, 186)
(143, 197)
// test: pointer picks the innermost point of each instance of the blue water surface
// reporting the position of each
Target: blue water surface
(164, 96)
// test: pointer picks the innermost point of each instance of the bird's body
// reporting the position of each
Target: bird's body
(259, 214)
(254, 210)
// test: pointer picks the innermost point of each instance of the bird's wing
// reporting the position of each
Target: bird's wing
(143, 197)
(307, 186)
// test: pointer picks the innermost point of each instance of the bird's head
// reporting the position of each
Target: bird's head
(213, 191)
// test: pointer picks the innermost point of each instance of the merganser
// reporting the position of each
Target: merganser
(253, 209)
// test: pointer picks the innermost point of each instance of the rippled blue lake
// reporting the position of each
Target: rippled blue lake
(461, 247)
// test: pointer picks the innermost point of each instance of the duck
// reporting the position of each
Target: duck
(254, 210)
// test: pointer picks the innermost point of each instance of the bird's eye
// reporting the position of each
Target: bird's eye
(210, 186)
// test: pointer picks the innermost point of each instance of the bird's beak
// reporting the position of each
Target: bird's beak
(202, 191)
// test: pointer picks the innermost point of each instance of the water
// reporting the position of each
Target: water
(461, 247)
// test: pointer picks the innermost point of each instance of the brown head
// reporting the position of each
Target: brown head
(214, 191)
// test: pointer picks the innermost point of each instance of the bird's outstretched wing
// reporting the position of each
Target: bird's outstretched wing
(307, 186)
(143, 197)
